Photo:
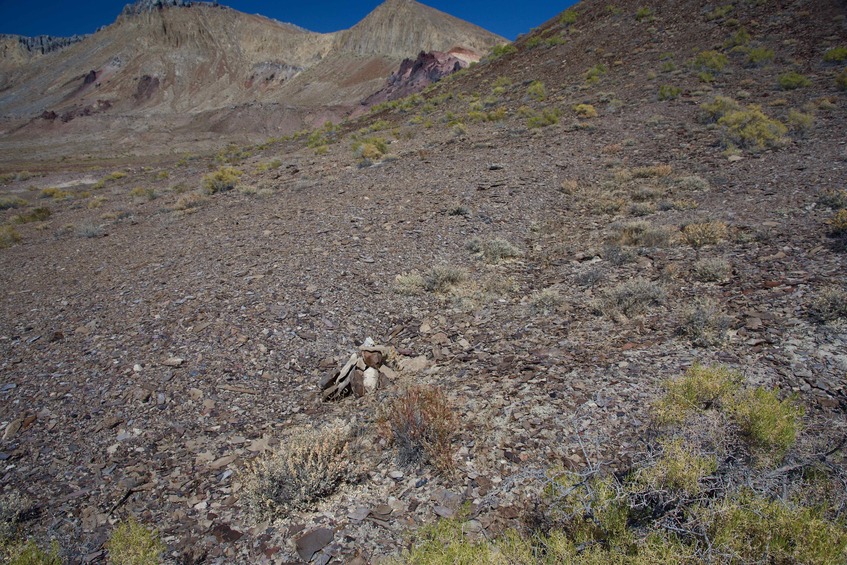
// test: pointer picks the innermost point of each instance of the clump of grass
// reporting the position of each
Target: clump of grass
(54, 193)
(9, 202)
(705, 233)
(188, 201)
(836, 55)
(409, 284)
(838, 224)
(759, 56)
(653, 171)
(643, 13)
(793, 80)
(222, 180)
(268, 165)
(369, 149)
(832, 198)
(592, 75)
(116, 175)
(546, 301)
(669, 92)
(133, 544)
(693, 183)
(493, 250)
(309, 465)
(89, 230)
(39, 214)
(705, 324)
(568, 17)
(537, 91)
(712, 269)
(442, 278)
(770, 424)
(841, 80)
(752, 129)
(502, 50)
(718, 108)
(421, 425)
(8, 236)
(829, 305)
(147, 193)
(547, 117)
(585, 111)
(710, 61)
(631, 298)
(643, 233)
(800, 123)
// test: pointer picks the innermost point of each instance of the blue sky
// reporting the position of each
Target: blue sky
(60, 17)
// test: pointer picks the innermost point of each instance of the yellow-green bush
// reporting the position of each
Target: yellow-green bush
(644, 14)
(222, 180)
(502, 50)
(680, 467)
(28, 553)
(841, 80)
(718, 108)
(39, 214)
(759, 56)
(370, 148)
(585, 111)
(547, 117)
(7, 202)
(669, 92)
(8, 236)
(133, 544)
(54, 193)
(752, 129)
(836, 55)
(704, 233)
(770, 424)
(700, 388)
(710, 61)
(537, 91)
(793, 80)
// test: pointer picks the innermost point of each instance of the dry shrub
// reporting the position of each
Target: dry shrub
(310, 465)
(631, 299)
(189, 200)
(8, 236)
(643, 233)
(705, 324)
(706, 233)
(712, 269)
(421, 424)
(829, 305)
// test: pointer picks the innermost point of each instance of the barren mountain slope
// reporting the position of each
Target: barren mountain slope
(546, 238)
(173, 66)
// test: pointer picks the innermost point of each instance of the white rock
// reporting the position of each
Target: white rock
(371, 380)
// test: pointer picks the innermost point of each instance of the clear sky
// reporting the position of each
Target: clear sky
(60, 17)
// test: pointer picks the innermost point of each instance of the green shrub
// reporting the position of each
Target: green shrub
(793, 80)
(585, 111)
(800, 123)
(719, 107)
(222, 180)
(54, 193)
(28, 553)
(568, 17)
(7, 202)
(753, 529)
(549, 117)
(752, 129)
(836, 55)
(142, 192)
(759, 56)
(679, 468)
(700, 388)
(39, 214)
(841, 80)
(710, 61)
(644, 13)
(502, 50)
(770, 424)
(669, 92)
(133, 544)
(370, 148)
(592, 75)
(537, 91)
(8, 236)
(720, 12)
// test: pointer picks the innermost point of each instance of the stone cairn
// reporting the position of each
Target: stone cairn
(364, 373)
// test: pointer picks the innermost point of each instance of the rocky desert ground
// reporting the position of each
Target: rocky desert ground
(545, 239)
